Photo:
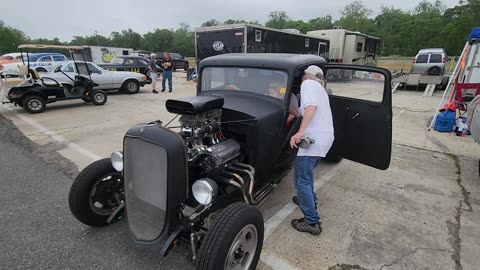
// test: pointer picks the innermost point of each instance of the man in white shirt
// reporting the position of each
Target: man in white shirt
(317, 124)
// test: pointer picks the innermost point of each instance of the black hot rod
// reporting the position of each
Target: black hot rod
(201, 183)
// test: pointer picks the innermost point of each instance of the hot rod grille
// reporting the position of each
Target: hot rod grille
(145, 173)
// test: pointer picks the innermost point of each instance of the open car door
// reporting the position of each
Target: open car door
(361, 103)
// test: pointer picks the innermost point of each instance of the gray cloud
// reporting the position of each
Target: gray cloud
(65, 19)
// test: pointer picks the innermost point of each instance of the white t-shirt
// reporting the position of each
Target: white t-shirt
(320, 127)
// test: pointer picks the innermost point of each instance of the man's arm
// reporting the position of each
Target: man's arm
(307, 118)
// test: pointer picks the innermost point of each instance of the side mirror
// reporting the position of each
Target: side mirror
(57, 69)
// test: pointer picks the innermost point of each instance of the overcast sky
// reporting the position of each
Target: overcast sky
(65, 18)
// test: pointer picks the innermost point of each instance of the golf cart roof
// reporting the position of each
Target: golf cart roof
(40, 46)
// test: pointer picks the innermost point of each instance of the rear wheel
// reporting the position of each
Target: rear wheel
(131, 87)
(34, 104)
(98, 97)
(234, 241)
(96, 193)
(434, 70)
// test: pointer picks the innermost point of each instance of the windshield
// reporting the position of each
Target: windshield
(117, 61)
(261, 81)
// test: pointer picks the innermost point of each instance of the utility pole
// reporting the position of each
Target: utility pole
(96, 35)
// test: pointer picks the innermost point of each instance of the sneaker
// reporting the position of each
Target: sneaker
(295, 201)
(155, 91)
(169, 91)
(301, 226)
(163, 90)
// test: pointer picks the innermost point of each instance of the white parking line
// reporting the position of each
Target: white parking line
(273, 222)
(57, 138)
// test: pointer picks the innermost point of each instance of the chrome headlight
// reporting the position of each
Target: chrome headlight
(117, 161)
(205, 190)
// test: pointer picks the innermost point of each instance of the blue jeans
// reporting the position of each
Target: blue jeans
(167, 75)
(307, 198)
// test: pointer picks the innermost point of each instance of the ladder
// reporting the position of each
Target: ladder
(450, 86)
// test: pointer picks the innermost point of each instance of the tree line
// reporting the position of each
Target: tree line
(402, 32)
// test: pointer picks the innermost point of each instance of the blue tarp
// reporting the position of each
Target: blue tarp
(475, 34)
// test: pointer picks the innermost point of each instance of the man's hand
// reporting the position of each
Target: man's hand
(296, 139)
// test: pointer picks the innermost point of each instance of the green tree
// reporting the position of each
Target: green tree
(158, 40)
(278, 19)
(211, 22)
(10, 38)
(184, 40)
(92, 40)
(126, 38)
(355, 16)
(320, 23)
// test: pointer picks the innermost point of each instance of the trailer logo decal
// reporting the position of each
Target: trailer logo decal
(218, 46)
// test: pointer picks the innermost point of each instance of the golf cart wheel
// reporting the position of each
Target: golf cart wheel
(131, 87)
(434, 71)
(40, 69)
(34, 104)
(96, 193)
(234, 241)
(98, 97)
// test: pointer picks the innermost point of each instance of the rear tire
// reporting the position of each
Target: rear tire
(131, 87)
(434, 71)
(79, 198)
(238, 224)
(98, 97)
(34, 104)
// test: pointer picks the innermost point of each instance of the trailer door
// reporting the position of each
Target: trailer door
(322, 50)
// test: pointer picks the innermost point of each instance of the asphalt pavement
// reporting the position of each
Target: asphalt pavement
(37, 228)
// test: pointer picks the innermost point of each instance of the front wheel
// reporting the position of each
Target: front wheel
(234, 241)
(98, 97)
(96, 193)
(131, 87)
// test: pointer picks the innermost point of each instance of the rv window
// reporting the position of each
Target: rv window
(258, 35)
(307, 42)
(359, 47)
(124, 52)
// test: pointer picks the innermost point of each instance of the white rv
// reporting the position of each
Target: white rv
(349, 47)
(103, 54)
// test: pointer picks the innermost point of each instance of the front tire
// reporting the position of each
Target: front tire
(85, 198)
(131, 87)
(34, 104)
(98, 97)
(234, 241)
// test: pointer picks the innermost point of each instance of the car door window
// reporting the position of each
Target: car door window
(68, 68)
(364, 85)
(130, 61)
(58, 58)
(422, 59)
(45, 59)
(143, 62)
(92, 68)
(436, 58)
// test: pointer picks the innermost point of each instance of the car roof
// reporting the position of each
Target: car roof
(130, 56)
(288, 62)
(431, 50)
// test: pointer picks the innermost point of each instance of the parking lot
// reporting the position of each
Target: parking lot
(421, 213)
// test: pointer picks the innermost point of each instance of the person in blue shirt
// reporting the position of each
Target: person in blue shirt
(152, 66)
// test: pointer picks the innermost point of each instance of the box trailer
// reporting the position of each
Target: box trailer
(102, 54)
(349, 47)
(248, 38)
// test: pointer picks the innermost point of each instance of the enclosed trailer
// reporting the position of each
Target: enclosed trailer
(349, 47)
(248, 38)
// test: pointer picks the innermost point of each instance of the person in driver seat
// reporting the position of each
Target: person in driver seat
(277, 89)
